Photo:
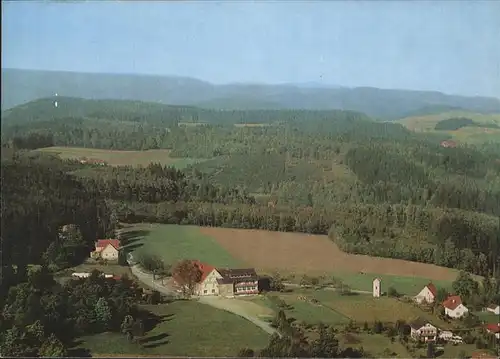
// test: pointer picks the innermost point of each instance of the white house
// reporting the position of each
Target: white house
(108, 249)
(445, 335)
(427, 294)
(494, 308)
(225, 282)
(423, 331)
(454, 308)
(377, 288)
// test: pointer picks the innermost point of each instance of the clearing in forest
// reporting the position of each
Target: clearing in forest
(121, 158)
(473, 135)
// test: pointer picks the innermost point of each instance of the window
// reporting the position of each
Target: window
(213, 290)
(205, 291)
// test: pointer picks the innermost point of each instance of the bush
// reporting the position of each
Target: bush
(392, 292)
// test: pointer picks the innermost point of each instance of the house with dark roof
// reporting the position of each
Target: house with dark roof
(493, 308)
(454, 308)
(427, 294)
(108, 249)
(226, 282)
(422, 330)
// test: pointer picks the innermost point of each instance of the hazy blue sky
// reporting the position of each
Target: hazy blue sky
(446, 46)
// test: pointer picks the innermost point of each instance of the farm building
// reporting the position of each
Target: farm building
(448, 144)
(92, 161)
(108, 249)
(427, 294)
(482, 355)
(494, 329)
(226, 282)
(445, 335)
(423, 331)
(493, 308)
(454, 308)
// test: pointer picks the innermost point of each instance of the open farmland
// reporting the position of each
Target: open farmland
(121, 158)
(473, 135)
(289, 253)
(173, 243)
(301, 253)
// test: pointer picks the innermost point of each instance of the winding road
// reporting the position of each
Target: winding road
(216, 302)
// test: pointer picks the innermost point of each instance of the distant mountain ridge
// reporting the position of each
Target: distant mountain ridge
(21, 86)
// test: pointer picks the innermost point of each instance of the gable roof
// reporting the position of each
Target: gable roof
(419, 323)
(493, 327)
(432, 288)
(452, 302)
(102, 243)
(205, 269)
(482, 355)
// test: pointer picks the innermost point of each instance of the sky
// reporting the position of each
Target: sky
(447, 46)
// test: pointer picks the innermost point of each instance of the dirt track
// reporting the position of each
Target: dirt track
(314, 253)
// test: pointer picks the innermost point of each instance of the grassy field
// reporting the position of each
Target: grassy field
(121, 158)
(173, 243)
(377, 345)
(285, 252)
(487, 317)
(300, 310)
(403, 284)
(364, 307)
(186, 328)
(473, 135)
(337, 309)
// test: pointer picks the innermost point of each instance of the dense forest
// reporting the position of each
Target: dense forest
(374, 188)
(377, 188)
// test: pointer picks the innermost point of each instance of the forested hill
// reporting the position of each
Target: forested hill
(21, 86)
(151, 113)
(136, 125)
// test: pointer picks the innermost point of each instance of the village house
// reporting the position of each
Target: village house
(482, 355)
(423, 331)
(493, 328)
(448, 144)
(493, 308)
(108, 249)
(454, 308)
(427, 294)
(226, 282)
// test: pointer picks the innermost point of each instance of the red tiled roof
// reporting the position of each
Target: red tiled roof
(206, 269)
(481, 355)
(493, 327)
(102, 243)
(432, 289)
(448, 143)
(452, 302)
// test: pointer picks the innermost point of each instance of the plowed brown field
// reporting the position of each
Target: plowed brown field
(297, 252)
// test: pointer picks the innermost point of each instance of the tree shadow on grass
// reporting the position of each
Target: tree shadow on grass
(130, 238)
(79, 353)
(151, 320)
(154, 340)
